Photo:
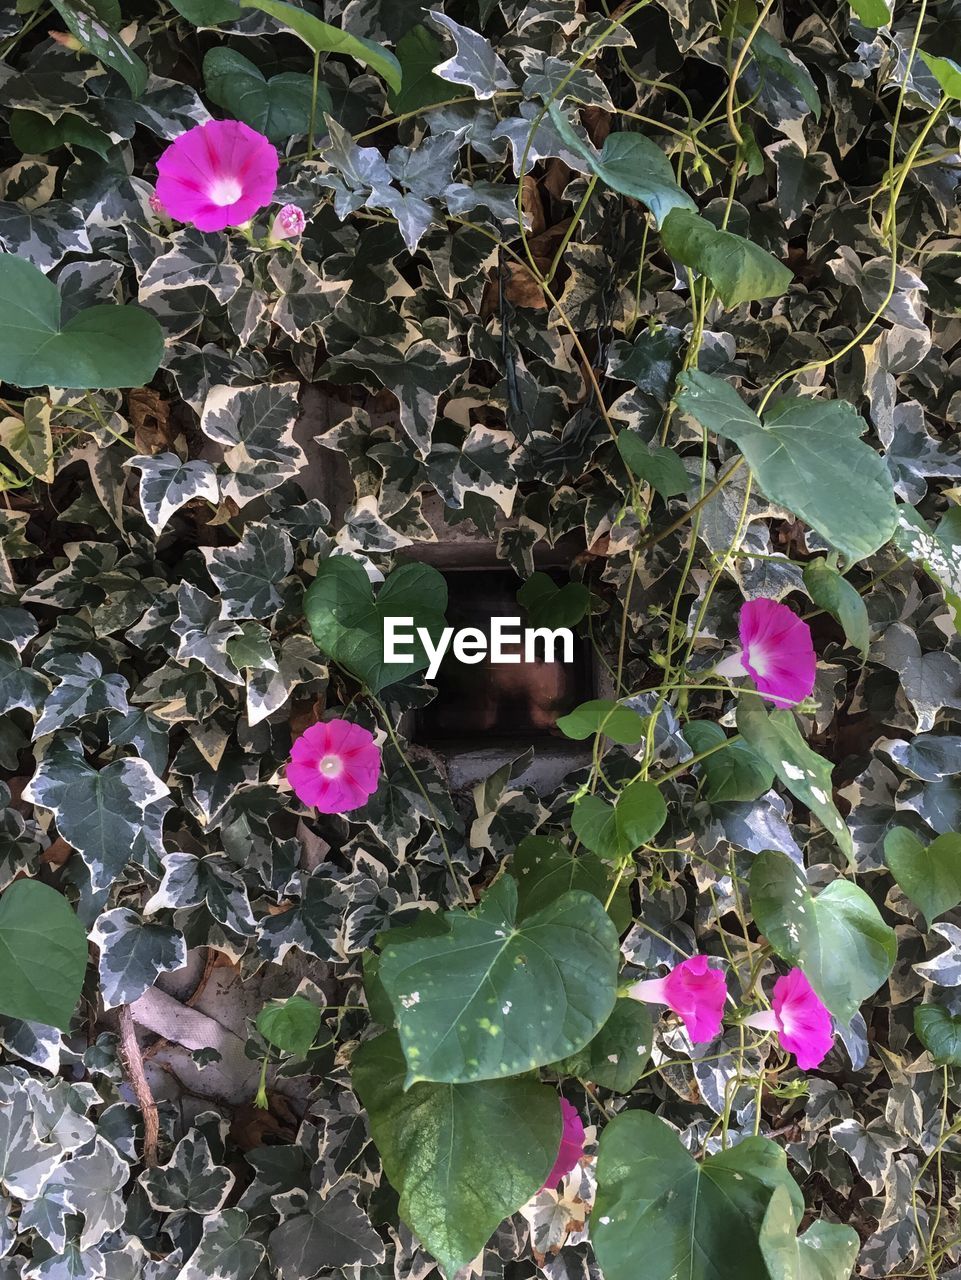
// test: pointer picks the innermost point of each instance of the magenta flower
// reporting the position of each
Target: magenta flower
(217, 175)
(694, 992)
(776, 652)
(334, 766)
(288, 223)
(572, 1145)
(802, 1022)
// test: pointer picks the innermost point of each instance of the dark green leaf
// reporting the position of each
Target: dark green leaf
(616, 1057)
(321, 37)
(659, 466)
(601, 715)
(929, 875)
(279, 107)
(614, 831)
(940, 1033)
(830, 591)
(739, 270)
(734, 772)
(549, 605)
(43, 955)
(545, 869)
(418, 53)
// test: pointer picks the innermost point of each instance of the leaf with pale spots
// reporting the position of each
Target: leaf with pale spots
(616, 1057)
(495, 995)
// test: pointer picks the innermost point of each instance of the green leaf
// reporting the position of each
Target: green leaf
(279, 107)
(614, 831)
(777, 739)
(461, 1157)
(208, 13)
(929, 875)
(35, 135)
(321, 37)
(807, 456)
(549, 605)
(43, 955)
(616, 1057)
(873, 13)
(734, 772)
(631, 164)
(830, 591)
(290, 1025)
(545, 869)
(348, 624)
(687, 1220)
(940, 1033)
(946, 71)
(100, 347)
(659, 466)
(826, 1251)
(602, 715)
(86, 23)
(496, 995)
(838, 938)
(418, 53)
(739, 270)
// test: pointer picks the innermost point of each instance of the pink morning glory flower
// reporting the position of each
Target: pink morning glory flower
(694, 992)
(572, 1145)
(334, 766)
(288, 223)
(217, 175)
(776, 652)
(802, 1022)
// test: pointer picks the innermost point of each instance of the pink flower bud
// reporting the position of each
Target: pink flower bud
(66, 39)
(157, 206)
(288, 223)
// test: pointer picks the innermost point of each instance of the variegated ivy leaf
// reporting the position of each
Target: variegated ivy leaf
(18, 849)
(324, 1234)
(195, 257)
(225, 1251)
(311, 925)
(17, 627)
(930, 680)
(190, 1179)
(19, 686)
(358, 176)
(28, 439)
(256, 425)
(944, 969)
(189, 881)
(102, 814)
(475, 64)
(297, 664)
(248, 574)
(43, 236)
(133, 954)
(145, 733)
(203, 633)
(90, 1184)
(84, 690)
(167, 483)
(478, 463)
(937, 550)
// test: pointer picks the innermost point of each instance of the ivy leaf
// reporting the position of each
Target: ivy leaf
(225, 1248)
(103, 346)
(29, 439)
(601, 715)
(190, 1180)
(776, 738)
(133, 954)
(929, 875)
(614, 831)
(739, 270)
(940, 1033)
(938, 551)
(248, 574)
(321, 37)
(101, 813)
(659, 466)
(631, 164)
(43, 955)
(462, 1157)
(332, 1233)
(830, 591)
(946, 71)
(545, 869)
(475, 64)
(616, 1057)
(255, 424)
(167, 484)
(808, 457)
(347, 623)
(84, 690)
(418, 53)
(549, 605)
(496, 995)
(290, 1025)
(838, 937)
(699, 1221)
(214, 881)
(84, 20)
(733, 773)
(279, 107)
(826, 1251)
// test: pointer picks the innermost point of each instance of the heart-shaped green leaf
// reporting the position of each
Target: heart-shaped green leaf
(614, 831)
(808, 456)
(946, 71)
(347, 623)
(830, 591)
(279, 107)
(739, 270)
(616, 1057)
(930, 875)
(659, 466)
(826, 1251)
(734, 770)
(940, 1033)
(43, 955)
(100, 347)
(687, 1220)
(290, 1025)
(496, 996)
(461, 1157)
(544, 869)
(602, 715)
(549, 605)
(838, 937)
(321, 37)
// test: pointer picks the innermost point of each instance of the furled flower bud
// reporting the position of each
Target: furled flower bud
(65, 38)
(288, 223)
(156, 205)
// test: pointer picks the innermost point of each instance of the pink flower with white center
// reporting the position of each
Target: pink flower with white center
(801, 1020)
(217, 175)
(776, 652)
(288, 223)
(334, 766)
(572, 1145)
(692, 990)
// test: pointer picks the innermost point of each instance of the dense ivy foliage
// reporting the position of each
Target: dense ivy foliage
(673, 284)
